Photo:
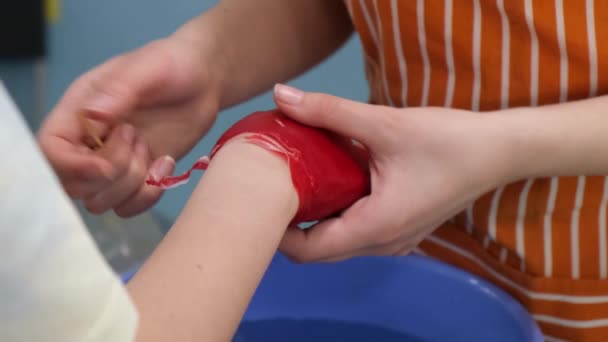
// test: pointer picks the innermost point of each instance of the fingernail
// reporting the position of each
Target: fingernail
(287, 94)
(103, 103)
(127, 133)
(162, 167)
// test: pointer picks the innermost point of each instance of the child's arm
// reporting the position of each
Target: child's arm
(198, 283)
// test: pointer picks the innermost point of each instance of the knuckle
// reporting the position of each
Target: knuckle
(133, 180)
(109, 174)
(139, 171)
(324, 105)
(121, 164)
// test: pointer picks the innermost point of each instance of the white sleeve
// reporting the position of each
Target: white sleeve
(54, 283)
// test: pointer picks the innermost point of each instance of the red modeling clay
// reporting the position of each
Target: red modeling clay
(326, 170)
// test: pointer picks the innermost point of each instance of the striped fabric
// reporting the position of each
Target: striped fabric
(542, 240)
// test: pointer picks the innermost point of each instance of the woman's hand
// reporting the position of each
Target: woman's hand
(150, 106)
(169, 92)
(427, 164)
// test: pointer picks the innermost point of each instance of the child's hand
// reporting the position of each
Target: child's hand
(154, 102)
(427, 164)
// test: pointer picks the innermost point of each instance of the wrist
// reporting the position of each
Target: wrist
(242, 174)
(494, 150)
(526, 147)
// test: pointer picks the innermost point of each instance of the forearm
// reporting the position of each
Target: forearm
(198, 283)
(555, 140)
(258, 43)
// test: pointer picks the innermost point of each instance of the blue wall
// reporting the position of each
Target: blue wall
(91, 31)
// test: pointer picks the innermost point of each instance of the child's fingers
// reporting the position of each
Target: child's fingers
(84, 172)
(147, 195)
(117, 150)
(126, 186)
(74, 162)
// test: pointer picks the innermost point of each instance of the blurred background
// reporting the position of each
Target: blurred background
(46, 44)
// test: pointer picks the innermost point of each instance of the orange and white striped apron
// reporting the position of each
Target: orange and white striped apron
(542, 240)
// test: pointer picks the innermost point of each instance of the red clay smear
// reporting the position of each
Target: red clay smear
(326, 169)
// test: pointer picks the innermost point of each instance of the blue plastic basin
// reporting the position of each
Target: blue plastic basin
(423, 299)
(411, 298)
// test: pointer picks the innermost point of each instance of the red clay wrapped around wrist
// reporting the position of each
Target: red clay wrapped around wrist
(328, 172)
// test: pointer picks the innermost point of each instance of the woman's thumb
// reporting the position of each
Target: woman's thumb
(345, 117)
